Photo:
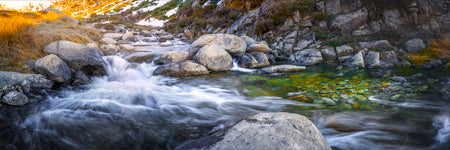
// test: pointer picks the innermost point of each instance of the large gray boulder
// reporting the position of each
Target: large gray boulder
(54, 69)
(15, 98)
(329, 54)
(414, 45)
(261, 58)
(344, 50)
(78, 57)
(392, 19)
(172, 57)
(13, 78)
(307, 57)
(282, 68)
(372, 60)
(356, 60)
(214, 58)
(265, 131)
(231, 43)
(181, 69)
(346, 23)
(388, 60)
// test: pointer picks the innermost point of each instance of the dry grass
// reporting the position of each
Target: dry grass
(25, 38)
(439, 49)
(85, 8)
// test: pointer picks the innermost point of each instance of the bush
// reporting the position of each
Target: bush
(439, 49)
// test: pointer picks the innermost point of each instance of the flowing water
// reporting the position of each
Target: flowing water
(131, 109)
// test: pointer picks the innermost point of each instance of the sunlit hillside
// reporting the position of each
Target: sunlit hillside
(85, 8)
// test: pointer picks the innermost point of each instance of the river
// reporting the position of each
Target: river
(132, 109)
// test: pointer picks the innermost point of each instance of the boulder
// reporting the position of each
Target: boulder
(357, 60)
(329, 54)
(15, 98)
(258, 47)
(80, 79)
(346, 23)
(392, 19)
(282, 68)
(214, 58)
(248, 40)
(185, 68)
(127, 49)
(344, 50)
(247, 61)
(388, 60)
(307, 57)
(188, 33)
(107, 40)
(302, 44)
(115, 36)
(165, 38)
(13, 78)
(332, 7)
(231, 43)
(261, 58)
(54, 69)
(172, 57)
(372, 60)
(265, 131)
(110, 49)
(128, 36)
(78, 57)
(414, 45)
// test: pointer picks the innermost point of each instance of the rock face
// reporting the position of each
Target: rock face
(13, 78)
(307, 57)
(265, 131)
(347, 22)
(392, 19)
(381, 45)
(54, 69)
(282, 68)
(172, 57)
(181, 69)
(215, 58)
(258, 47)
(78, 57)
(15, 98)
(344, 50)
(231, 43)
(414, 45)
(372, 60)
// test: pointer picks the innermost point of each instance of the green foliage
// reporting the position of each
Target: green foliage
(160, 12)
(339, 41)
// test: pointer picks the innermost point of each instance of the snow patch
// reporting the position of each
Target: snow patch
(171, 12)
(153, 7)
(152, 22)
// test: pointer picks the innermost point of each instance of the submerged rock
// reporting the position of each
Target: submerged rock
(265, 131)
(181, 69)
(282, 68)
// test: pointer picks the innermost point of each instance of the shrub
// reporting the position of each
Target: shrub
(439, 49)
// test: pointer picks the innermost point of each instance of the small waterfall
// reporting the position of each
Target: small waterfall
(237, 68)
